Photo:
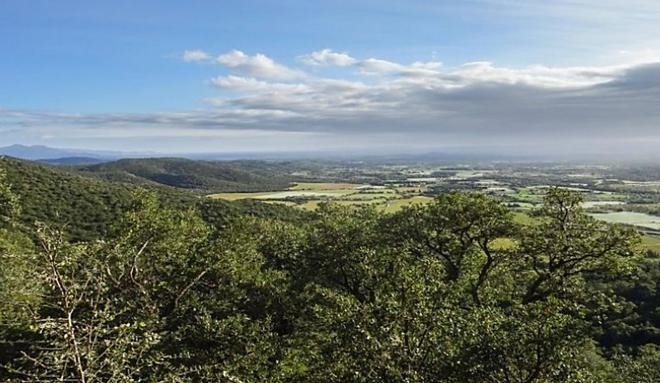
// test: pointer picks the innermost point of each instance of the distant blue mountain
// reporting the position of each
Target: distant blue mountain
(47, 153)
(62, 156)
(39, 152)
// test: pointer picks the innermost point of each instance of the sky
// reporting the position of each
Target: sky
(561, 77)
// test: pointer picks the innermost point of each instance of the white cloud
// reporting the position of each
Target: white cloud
(195, 55)
(249, 84)
(258, 65)
(537, 75)
(327, 57)
(375, 66)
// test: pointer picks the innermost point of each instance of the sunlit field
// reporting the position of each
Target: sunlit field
(630, 218)
(308, 195)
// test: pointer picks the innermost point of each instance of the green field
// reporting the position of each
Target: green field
(528, 195)
(397, 204)
(523, 218)
(651, 242)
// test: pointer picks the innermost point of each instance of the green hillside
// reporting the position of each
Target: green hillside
(87, 206)
(199, 175)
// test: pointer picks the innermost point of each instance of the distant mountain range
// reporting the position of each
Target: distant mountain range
(65, 156)
(40, 152)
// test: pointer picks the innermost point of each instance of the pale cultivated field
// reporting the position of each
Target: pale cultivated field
(309, 195)
(630, 218)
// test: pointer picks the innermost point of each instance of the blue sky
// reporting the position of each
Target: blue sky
(112, 74)
(122, 55)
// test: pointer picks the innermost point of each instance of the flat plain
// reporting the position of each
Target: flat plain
(608, 192)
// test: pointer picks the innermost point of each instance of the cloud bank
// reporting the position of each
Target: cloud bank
(333, 100)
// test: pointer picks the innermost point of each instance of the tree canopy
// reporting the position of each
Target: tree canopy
(451, 291)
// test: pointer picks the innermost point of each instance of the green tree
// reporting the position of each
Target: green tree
(568, 246)
(641, 368)
(9, 206)
(19, 293)
(461, 230)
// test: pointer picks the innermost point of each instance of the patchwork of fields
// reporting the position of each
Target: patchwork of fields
(309, 195)
(390, 198)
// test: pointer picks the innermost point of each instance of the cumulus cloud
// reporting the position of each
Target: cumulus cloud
(195, 55)
(328, 57)
(258, 65)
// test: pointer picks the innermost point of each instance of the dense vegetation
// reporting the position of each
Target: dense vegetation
(452, 291)
(86, 207)
(200, 175)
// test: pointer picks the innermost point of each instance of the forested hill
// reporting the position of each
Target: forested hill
(190, 174)
(87, 206)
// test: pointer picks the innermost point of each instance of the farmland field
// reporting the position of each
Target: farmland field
(324, 186)
(308, 195)
(389, 188)
(301, 190)
(397, 204)
(651, 242)
(589, 204)
(630, 218)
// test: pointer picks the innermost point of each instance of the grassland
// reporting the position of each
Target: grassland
(528, 195)
(523, 218)
(651, 242)
(397, 204)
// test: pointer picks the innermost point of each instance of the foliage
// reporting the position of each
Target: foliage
(86, 207)
(644, 368)
(348, 294)
(9, 207)
(200, 175)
